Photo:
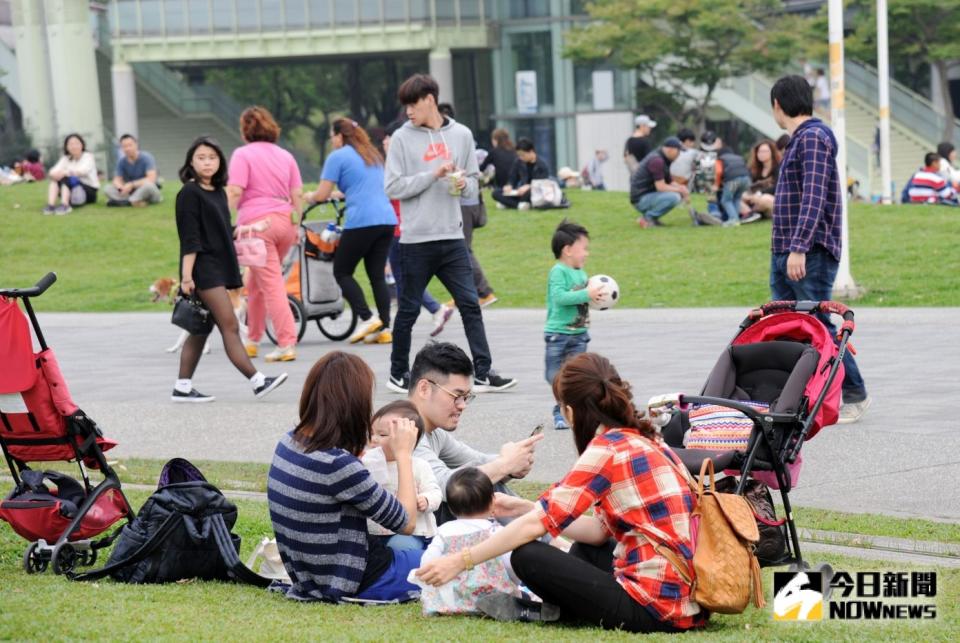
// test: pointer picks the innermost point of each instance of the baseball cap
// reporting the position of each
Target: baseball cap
(643, 119)
(672, 141)
(708, 141)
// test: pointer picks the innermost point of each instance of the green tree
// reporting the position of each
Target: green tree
(918, 30)
(687, 47)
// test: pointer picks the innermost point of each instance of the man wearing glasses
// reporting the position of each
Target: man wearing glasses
(440, 388)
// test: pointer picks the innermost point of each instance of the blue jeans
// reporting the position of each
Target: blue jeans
(817, 285)
(449, 261)
(730, 197)
(654, 205)
(402, 541)
(560, 347)
(393, 585)
(431, 304)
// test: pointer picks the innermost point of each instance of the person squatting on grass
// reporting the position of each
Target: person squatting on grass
(381, 461)
(568, 303)
(320, 495)
(208, 265)
(635, 486)
(356, 168)
(440, 388)
(430, 165)
(470, 498)
(265, 185)
(807, 219)
(73, 180)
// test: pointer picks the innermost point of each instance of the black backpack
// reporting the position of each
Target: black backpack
(181, 532)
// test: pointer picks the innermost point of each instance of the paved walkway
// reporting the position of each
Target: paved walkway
(899, 460)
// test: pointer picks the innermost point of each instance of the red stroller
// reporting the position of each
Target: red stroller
(784, 361)
(40, 423)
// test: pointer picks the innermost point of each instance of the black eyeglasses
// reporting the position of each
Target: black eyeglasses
(466, 398)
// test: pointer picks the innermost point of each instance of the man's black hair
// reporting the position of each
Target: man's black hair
(469, 492)
(794, 95)
(33, 156)
(417, 87)
(565, 235)
(930, 159)
(126, 136)
(686, 134)
(447, 110)
(187, 173)
(525, 145)
(439, 360)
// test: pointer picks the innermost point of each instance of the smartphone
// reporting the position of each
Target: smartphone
(537, 430)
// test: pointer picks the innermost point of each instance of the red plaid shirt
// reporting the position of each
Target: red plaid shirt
(638, 495)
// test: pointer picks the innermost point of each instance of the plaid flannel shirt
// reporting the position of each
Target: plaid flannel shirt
(638, 496)
(807, 209)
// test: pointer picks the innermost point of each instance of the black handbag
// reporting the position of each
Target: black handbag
(191, 315)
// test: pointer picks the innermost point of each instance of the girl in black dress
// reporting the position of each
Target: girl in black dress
(208, 264)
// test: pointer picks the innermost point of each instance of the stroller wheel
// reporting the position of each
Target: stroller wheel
(64, 558)
(299, 320)
(340, 326)
(33, 561)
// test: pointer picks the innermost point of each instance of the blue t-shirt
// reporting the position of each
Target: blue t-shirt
(137, 169)
(367, 203)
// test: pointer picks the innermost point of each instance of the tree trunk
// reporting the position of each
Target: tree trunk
(946, 101)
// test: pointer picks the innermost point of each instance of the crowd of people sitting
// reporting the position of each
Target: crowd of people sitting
(937, 182)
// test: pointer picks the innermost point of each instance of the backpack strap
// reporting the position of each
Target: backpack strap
(240, 572)
(144, 550)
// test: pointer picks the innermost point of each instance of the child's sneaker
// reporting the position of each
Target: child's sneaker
(62, 209)
(368, 327)
(49, 209)
(440, 319)
(287, 354)
(252, 349)
(560, 424)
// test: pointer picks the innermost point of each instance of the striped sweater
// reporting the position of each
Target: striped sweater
(319, 503)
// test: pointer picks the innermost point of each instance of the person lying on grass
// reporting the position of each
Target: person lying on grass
(612, 577)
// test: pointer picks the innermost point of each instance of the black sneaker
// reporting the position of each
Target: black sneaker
(504, 607)
(118, 203)
(194, 397)
(399, 384)
(492, 384)
(269, 384)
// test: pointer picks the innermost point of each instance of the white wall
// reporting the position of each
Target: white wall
(605, 131)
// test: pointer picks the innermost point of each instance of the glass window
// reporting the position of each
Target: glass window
(419, 10)
(198, 16)
(473, 92)
(223, 15)
(247, 18)
(369, 11)
(446, 12)
(528, 8)
(319, 13)
(176, 18)
(345, 12)
(394, 12)
(151, 14)
(470, 9)
(270, 14)
(583, 86)
(296, 14)
(531, 51)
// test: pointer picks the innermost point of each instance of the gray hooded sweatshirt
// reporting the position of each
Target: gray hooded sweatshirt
(428, 212)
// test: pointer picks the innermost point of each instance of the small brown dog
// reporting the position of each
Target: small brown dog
(164, 288)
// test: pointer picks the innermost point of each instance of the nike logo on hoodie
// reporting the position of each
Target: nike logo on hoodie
(436, 151)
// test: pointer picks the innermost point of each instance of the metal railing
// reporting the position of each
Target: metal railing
(179, 18)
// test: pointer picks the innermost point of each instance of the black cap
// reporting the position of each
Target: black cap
(672, 141)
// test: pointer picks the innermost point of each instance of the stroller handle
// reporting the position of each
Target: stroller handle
(41, 286)
(828, 307)
(338, 207)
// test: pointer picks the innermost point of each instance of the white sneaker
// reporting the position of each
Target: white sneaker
(368, 327)
(850, 413)
(440, 319)
(523, 205)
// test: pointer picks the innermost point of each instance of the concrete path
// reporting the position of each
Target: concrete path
(899, 460)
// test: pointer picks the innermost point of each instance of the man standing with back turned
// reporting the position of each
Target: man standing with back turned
(807, 220)
(430, 165)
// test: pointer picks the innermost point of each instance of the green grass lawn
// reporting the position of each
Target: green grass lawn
(48, 607)
(106, 258)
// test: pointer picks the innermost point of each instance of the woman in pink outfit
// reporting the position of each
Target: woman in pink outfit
(264, 183)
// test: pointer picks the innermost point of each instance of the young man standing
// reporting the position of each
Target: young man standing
(440, 388)
(807, 219)
(430, 165)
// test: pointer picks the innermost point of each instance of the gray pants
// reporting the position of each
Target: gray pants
(148, 193)
(471, 214)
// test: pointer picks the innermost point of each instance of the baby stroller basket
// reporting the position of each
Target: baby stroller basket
(39, 422)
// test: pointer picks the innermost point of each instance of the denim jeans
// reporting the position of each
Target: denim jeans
(560, 347)
(656, 204)
(403, 541)
(730, 198)
(817, 285)
(449, 261)
(431, 304)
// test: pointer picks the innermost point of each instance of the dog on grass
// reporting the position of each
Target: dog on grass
(165, 289)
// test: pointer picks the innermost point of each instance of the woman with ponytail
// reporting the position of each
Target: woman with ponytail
(356, 169)
(613, 576)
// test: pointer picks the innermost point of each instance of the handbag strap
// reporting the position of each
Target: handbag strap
(240, 572)
(141, 553)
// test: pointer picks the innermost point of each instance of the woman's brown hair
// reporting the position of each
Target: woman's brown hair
(591, 386)
(756, 167)
(502, 138)
(357, 138)
(257, 124)
(336, 404)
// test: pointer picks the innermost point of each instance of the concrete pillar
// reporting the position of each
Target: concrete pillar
(441, 68)
(36, 100)
(73, 69)
(124, 100)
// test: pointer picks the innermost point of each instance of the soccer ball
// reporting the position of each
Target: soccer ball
(609, 295)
